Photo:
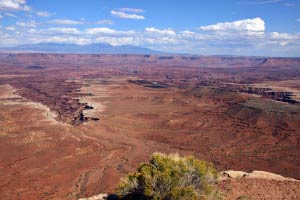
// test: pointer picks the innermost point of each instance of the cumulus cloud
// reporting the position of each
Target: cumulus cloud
(284, 38)
(66, 22)
(14, 5)
(160, 31)
(254, 25)
(220, 41)
(125, 15)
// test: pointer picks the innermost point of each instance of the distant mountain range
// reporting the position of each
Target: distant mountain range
(95, 48)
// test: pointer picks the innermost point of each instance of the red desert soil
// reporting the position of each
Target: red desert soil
(262, 189)
(72, 125)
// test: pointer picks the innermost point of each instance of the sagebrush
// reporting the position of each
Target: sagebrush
(168, 177)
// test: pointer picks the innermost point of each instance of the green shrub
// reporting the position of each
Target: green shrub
(168, 177)
(243, 197)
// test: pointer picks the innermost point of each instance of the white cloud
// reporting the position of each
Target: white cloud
(255, 25)
(67, 31)
(10, 28)
(14, 5)
(260, 2)
(105, 21)
(283, 39)
(10, 15)
(298, 20)
(61, 39)
(289, 4)
(7, 40)
(1, 16)
(131, 10)
(27, 24)
(285, 36)
(107, 31)
(54, 31)
(44, 14)
(188, 34)
(117, 41)
(191, 35)
(93, 31)
(66, 22)
(162, 40)
(125, 15)
(160, 31)
(168, 40)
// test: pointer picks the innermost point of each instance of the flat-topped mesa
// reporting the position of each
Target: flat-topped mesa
(174, 60)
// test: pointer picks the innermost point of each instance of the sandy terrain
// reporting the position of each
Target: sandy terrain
(53, 147)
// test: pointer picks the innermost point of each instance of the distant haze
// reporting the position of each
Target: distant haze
(99, 48)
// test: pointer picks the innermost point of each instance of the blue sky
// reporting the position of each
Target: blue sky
(212, 27)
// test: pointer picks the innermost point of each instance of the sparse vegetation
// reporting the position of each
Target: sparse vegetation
(170, 177)
(243, 197)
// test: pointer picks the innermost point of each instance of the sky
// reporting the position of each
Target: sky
(205, 27)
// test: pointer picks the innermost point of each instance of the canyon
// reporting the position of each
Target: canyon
(71, 125)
